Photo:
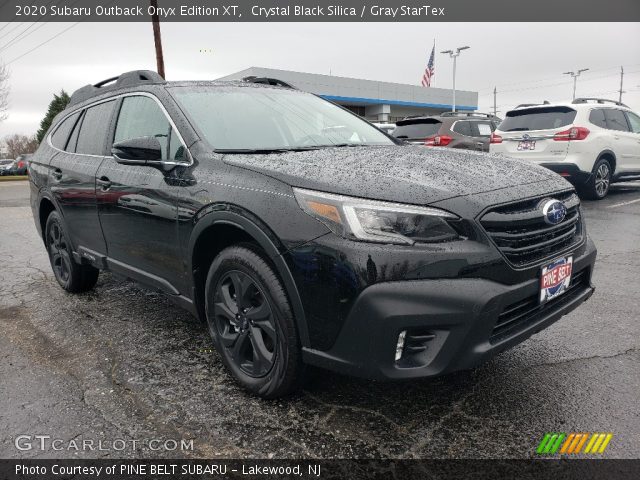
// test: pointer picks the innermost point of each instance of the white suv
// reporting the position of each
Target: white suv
(591, 142)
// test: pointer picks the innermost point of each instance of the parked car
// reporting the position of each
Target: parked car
(592, 142)
(466, 130)
(5, 165)
(303, 235)
(15, 167)
(386, 127)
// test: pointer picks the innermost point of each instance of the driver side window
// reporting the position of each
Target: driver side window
(141, 116)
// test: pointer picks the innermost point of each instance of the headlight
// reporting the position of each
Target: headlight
(375, 221)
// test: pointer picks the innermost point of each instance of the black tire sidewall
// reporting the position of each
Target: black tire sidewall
(54, 219)
(593, 193)
(81, 277)
(279, 379)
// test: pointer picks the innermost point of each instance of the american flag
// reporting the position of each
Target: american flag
(430, 71)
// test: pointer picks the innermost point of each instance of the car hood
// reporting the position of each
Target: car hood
(407, 174)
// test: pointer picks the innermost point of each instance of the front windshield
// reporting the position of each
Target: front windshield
(250, 118)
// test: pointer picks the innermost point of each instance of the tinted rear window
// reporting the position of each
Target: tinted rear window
(93, 132)
(597, 118)
(616, 120)
(540, 118)
(420, 129)
(61, 134)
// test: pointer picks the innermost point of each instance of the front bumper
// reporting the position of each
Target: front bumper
(456, 320)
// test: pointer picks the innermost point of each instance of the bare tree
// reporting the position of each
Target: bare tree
(4, 92)
(18, 144)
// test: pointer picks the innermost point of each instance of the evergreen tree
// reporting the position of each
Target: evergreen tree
(58, 104)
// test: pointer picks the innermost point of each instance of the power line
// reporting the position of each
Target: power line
(24, 33)
(43, 43)
(9, 31)
(551, 78)
(11, 44)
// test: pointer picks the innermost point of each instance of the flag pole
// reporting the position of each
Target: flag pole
(433, 79)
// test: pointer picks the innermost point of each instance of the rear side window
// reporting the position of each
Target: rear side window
(463, 128)
(634, 121)
(93, 132)
(417, 129)
(61, 134)
(73, 139)
(616, 120)
(539, 118)
(481, 129)
(597, 118)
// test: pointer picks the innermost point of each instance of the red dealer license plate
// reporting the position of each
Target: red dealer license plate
(555, 278)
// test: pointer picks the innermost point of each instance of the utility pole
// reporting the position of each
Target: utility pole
(455, 57)
(575, 76)
(621, 78)
(157, 40)
(495, 92)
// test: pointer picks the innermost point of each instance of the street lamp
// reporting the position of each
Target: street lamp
(454, 56)
(575, 76)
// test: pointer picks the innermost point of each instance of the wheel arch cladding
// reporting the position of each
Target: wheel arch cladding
(218, 229)
(610, 156)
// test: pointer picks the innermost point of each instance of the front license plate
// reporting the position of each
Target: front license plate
(526, 145)
(555, 278)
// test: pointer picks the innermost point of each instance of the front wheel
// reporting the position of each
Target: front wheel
(600, 181)
(71, 276)
(251, 323)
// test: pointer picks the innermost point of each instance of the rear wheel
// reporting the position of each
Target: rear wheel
(71, 276)
(598, 185)
(251, 323)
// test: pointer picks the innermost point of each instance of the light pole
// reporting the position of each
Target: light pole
(575, 76)
(455, 57)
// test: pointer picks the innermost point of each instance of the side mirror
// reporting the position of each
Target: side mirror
(137, 151)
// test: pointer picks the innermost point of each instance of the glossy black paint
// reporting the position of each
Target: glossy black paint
(163, 226)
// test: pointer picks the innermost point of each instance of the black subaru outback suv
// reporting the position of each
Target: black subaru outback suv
(302, 234)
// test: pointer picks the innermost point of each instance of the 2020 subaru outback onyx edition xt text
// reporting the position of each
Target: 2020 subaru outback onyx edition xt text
(301, 234)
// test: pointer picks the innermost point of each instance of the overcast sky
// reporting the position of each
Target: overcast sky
(524, 60)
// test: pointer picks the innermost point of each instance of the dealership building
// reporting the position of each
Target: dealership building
(375, 101)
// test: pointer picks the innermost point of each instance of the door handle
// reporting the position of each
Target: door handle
(104, 183)
(57, 174)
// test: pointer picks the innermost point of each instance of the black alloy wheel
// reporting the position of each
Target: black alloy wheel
(59, 253)
(251, 322)
(245, 322)
(71, 276)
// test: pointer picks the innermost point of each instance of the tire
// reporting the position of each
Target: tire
(251, 323)
(598, 185)
(71, 276)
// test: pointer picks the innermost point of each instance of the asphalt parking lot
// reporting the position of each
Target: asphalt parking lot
(122, 362)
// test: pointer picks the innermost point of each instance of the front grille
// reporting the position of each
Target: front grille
(519, 315)
(522, 235)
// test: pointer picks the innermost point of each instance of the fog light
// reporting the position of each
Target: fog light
(400, 344)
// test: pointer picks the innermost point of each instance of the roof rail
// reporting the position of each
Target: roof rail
(268, 81)
(468, 114)
(128, 79)
(523, 105)
(598, 100)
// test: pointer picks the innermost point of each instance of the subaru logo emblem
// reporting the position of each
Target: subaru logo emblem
(554, 211)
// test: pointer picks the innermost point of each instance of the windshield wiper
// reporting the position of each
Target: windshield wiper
(264, 151)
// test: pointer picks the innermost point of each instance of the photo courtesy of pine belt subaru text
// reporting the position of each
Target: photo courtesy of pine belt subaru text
(302, 234)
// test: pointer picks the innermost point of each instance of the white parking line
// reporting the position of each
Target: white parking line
(623, 203)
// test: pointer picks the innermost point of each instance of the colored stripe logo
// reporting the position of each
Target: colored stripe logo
(573, 443)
